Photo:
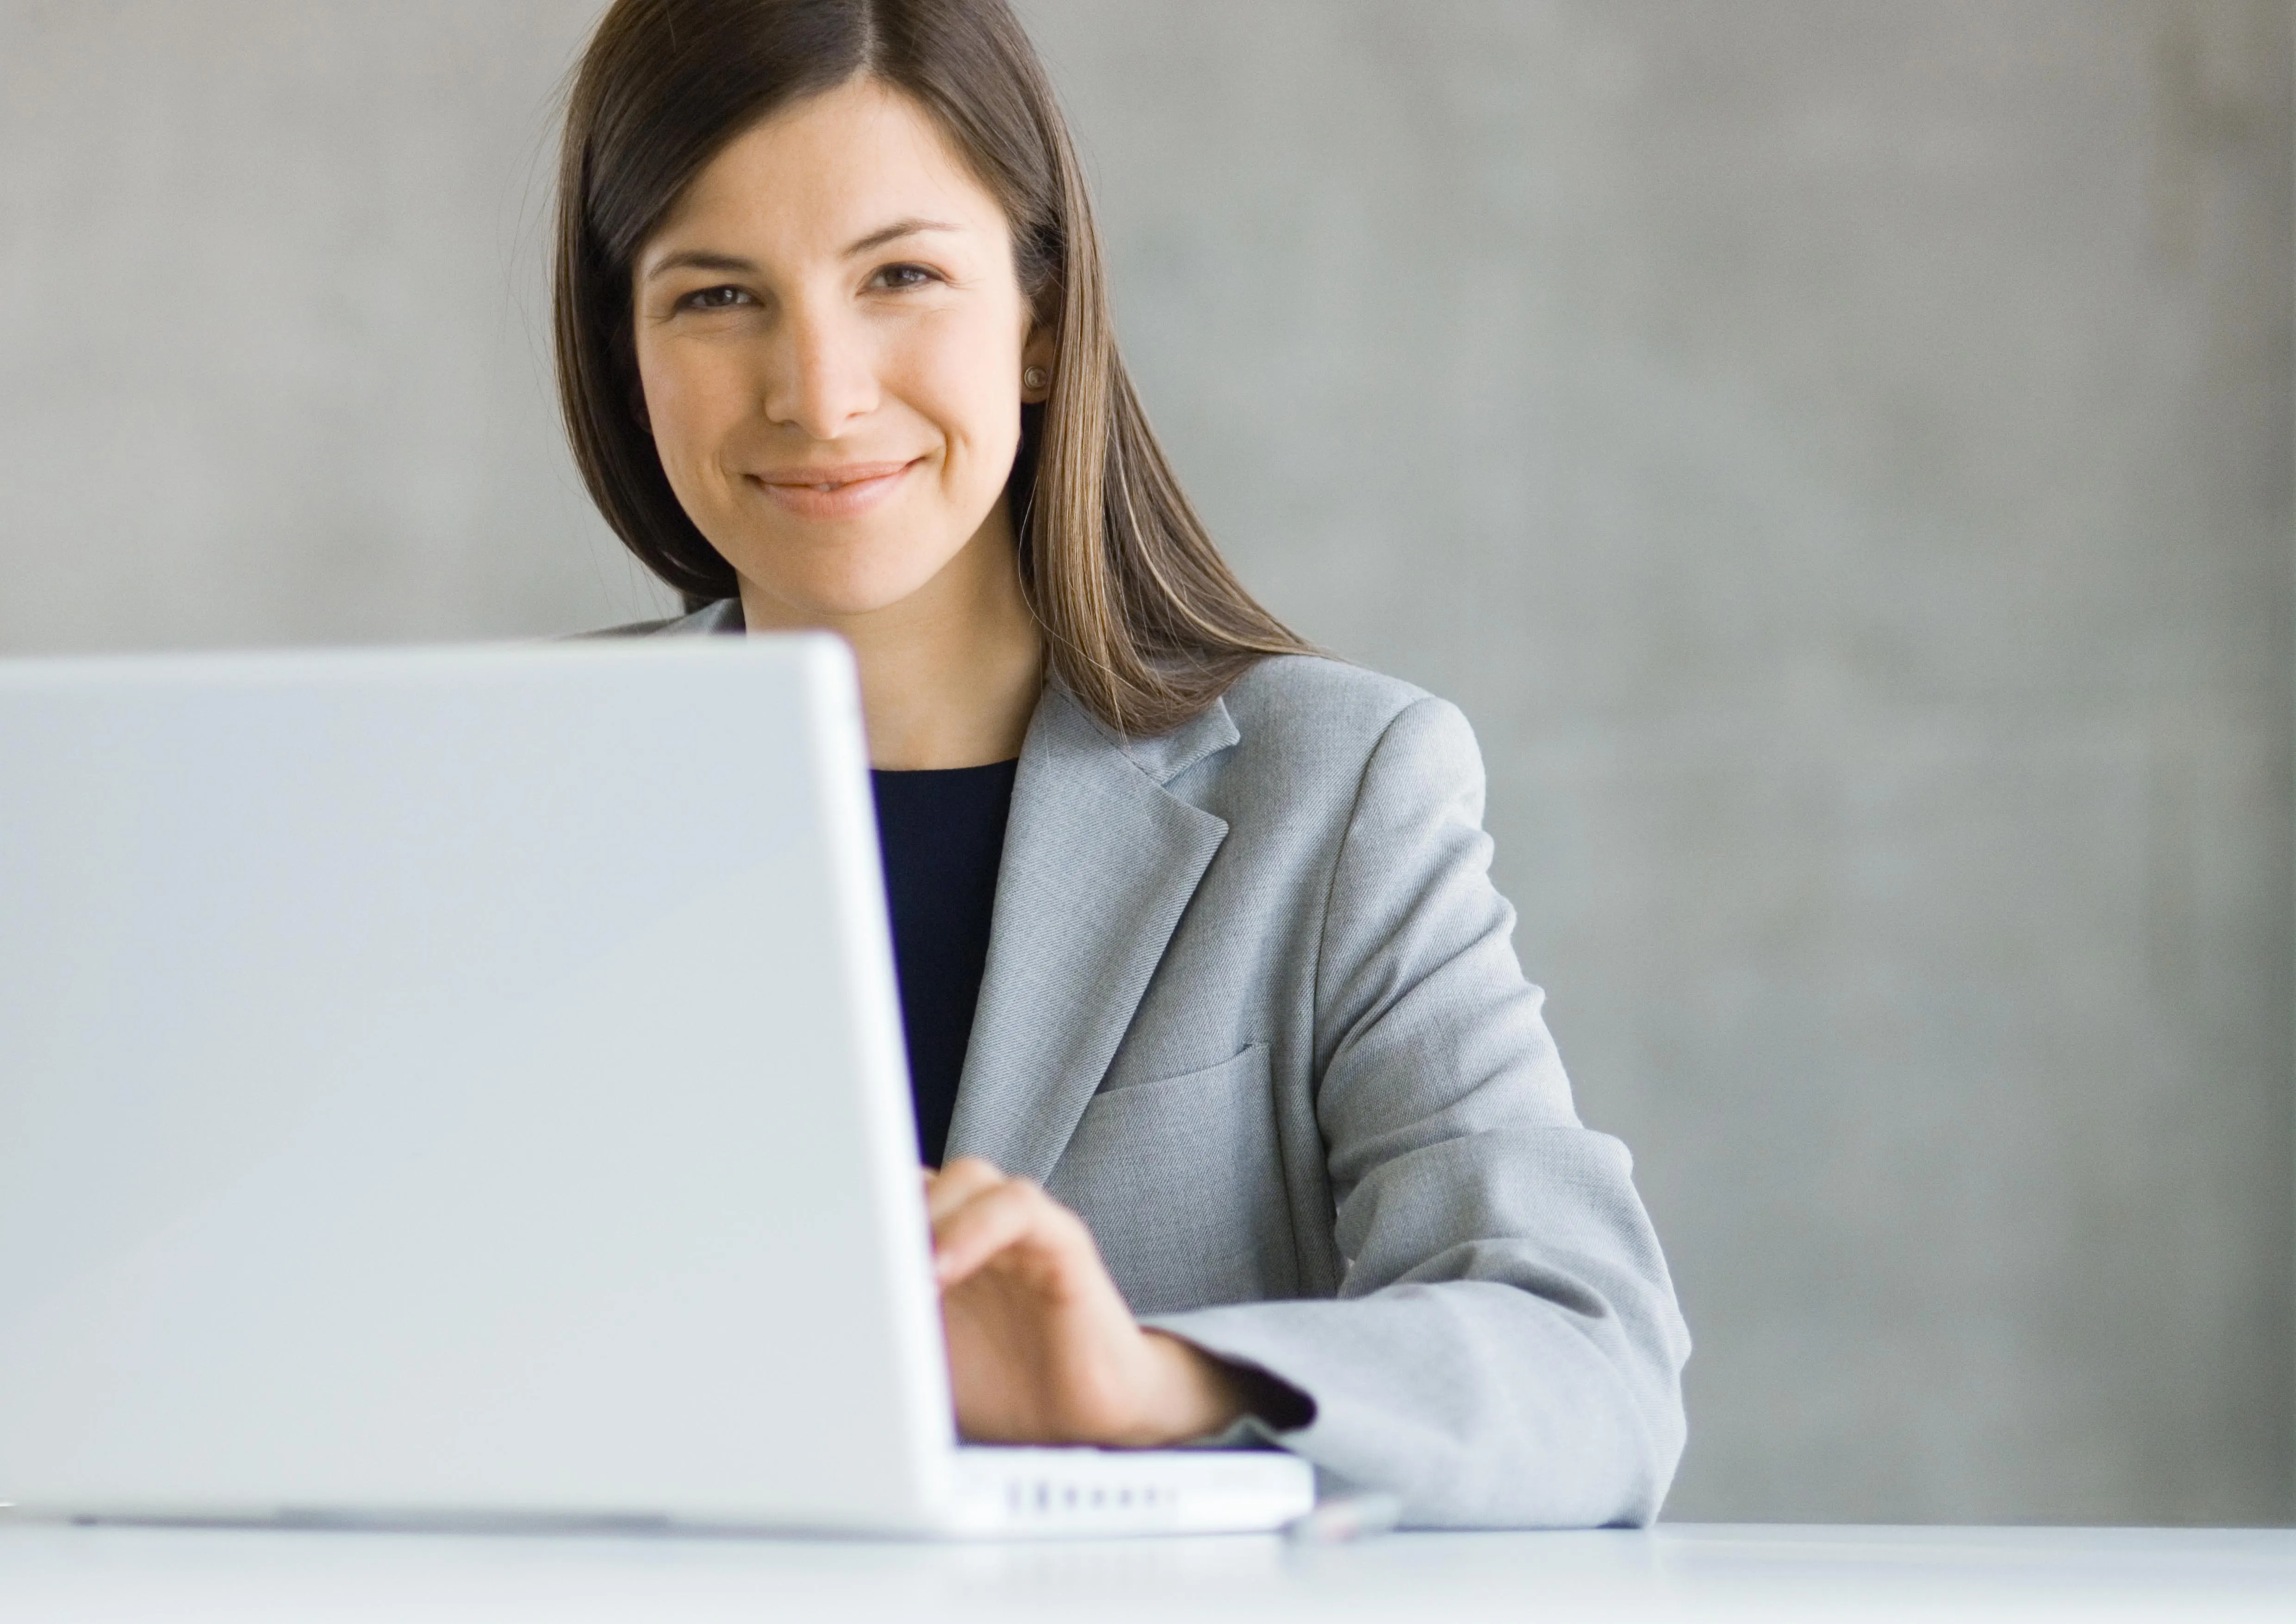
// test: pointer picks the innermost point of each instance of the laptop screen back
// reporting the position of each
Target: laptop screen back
(457, 1080)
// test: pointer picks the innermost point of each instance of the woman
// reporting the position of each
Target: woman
(1246, 1123)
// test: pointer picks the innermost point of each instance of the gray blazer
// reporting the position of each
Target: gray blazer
(1252, 1009)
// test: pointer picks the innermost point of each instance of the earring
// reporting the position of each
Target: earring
(1035, 378)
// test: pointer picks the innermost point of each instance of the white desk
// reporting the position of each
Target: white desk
(52, 1575)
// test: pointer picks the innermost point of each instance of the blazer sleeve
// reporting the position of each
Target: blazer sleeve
(1505, 1350)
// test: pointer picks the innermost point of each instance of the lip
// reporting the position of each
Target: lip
(842, 491)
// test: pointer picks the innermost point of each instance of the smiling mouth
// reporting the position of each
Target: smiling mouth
(832, 493)
(829, 479)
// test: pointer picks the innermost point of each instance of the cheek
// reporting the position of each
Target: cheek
(968, 384)
(690, 405)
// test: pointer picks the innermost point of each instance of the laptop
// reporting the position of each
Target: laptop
(466, 1086)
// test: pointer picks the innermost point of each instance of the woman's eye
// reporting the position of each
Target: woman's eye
(714, 298)
(903, 277)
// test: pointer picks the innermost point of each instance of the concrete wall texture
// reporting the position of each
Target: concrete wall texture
(1837, 451)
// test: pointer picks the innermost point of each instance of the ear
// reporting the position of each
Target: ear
(1038, 353)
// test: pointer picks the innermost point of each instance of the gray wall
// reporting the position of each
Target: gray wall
(1838, 453)
(273, 362)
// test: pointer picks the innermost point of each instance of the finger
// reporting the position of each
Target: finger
(969, 1231)
(958, 1183)
(1013, 1213)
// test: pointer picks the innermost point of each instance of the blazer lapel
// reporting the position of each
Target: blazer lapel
(1100, 861)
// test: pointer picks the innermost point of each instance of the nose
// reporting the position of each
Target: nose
(822, 377)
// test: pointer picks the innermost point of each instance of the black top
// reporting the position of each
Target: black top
(943, 835)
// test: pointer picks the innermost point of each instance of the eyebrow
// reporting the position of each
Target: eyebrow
(698, 259)
(895, 231)
(702, 260)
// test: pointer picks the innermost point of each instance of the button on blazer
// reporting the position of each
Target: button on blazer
(1252, 1010)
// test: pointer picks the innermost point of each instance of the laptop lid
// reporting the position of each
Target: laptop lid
(456, 1082)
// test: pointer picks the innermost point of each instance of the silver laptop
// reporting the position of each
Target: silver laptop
(467, 1087)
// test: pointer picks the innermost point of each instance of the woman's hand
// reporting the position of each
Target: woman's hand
(1041, 1347)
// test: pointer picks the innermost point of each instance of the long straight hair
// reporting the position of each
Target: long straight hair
(1144, 621)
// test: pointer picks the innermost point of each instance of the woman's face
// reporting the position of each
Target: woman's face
(831, 339)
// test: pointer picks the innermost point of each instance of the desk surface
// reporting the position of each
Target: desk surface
(49, 1575)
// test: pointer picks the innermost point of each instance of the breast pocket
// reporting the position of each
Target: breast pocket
(1182, 1185)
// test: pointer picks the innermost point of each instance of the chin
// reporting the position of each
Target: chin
(845, 594)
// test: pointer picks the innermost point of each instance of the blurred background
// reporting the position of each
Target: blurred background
(1837, 452)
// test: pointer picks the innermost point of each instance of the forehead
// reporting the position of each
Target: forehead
(828, 171)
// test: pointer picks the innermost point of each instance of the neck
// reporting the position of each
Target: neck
(951, 674)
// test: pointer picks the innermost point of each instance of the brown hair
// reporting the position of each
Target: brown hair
(1144, 622)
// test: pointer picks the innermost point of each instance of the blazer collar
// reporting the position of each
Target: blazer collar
(725, 615)
(1099, 862)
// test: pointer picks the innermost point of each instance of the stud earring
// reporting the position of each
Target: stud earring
(1035, 378)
